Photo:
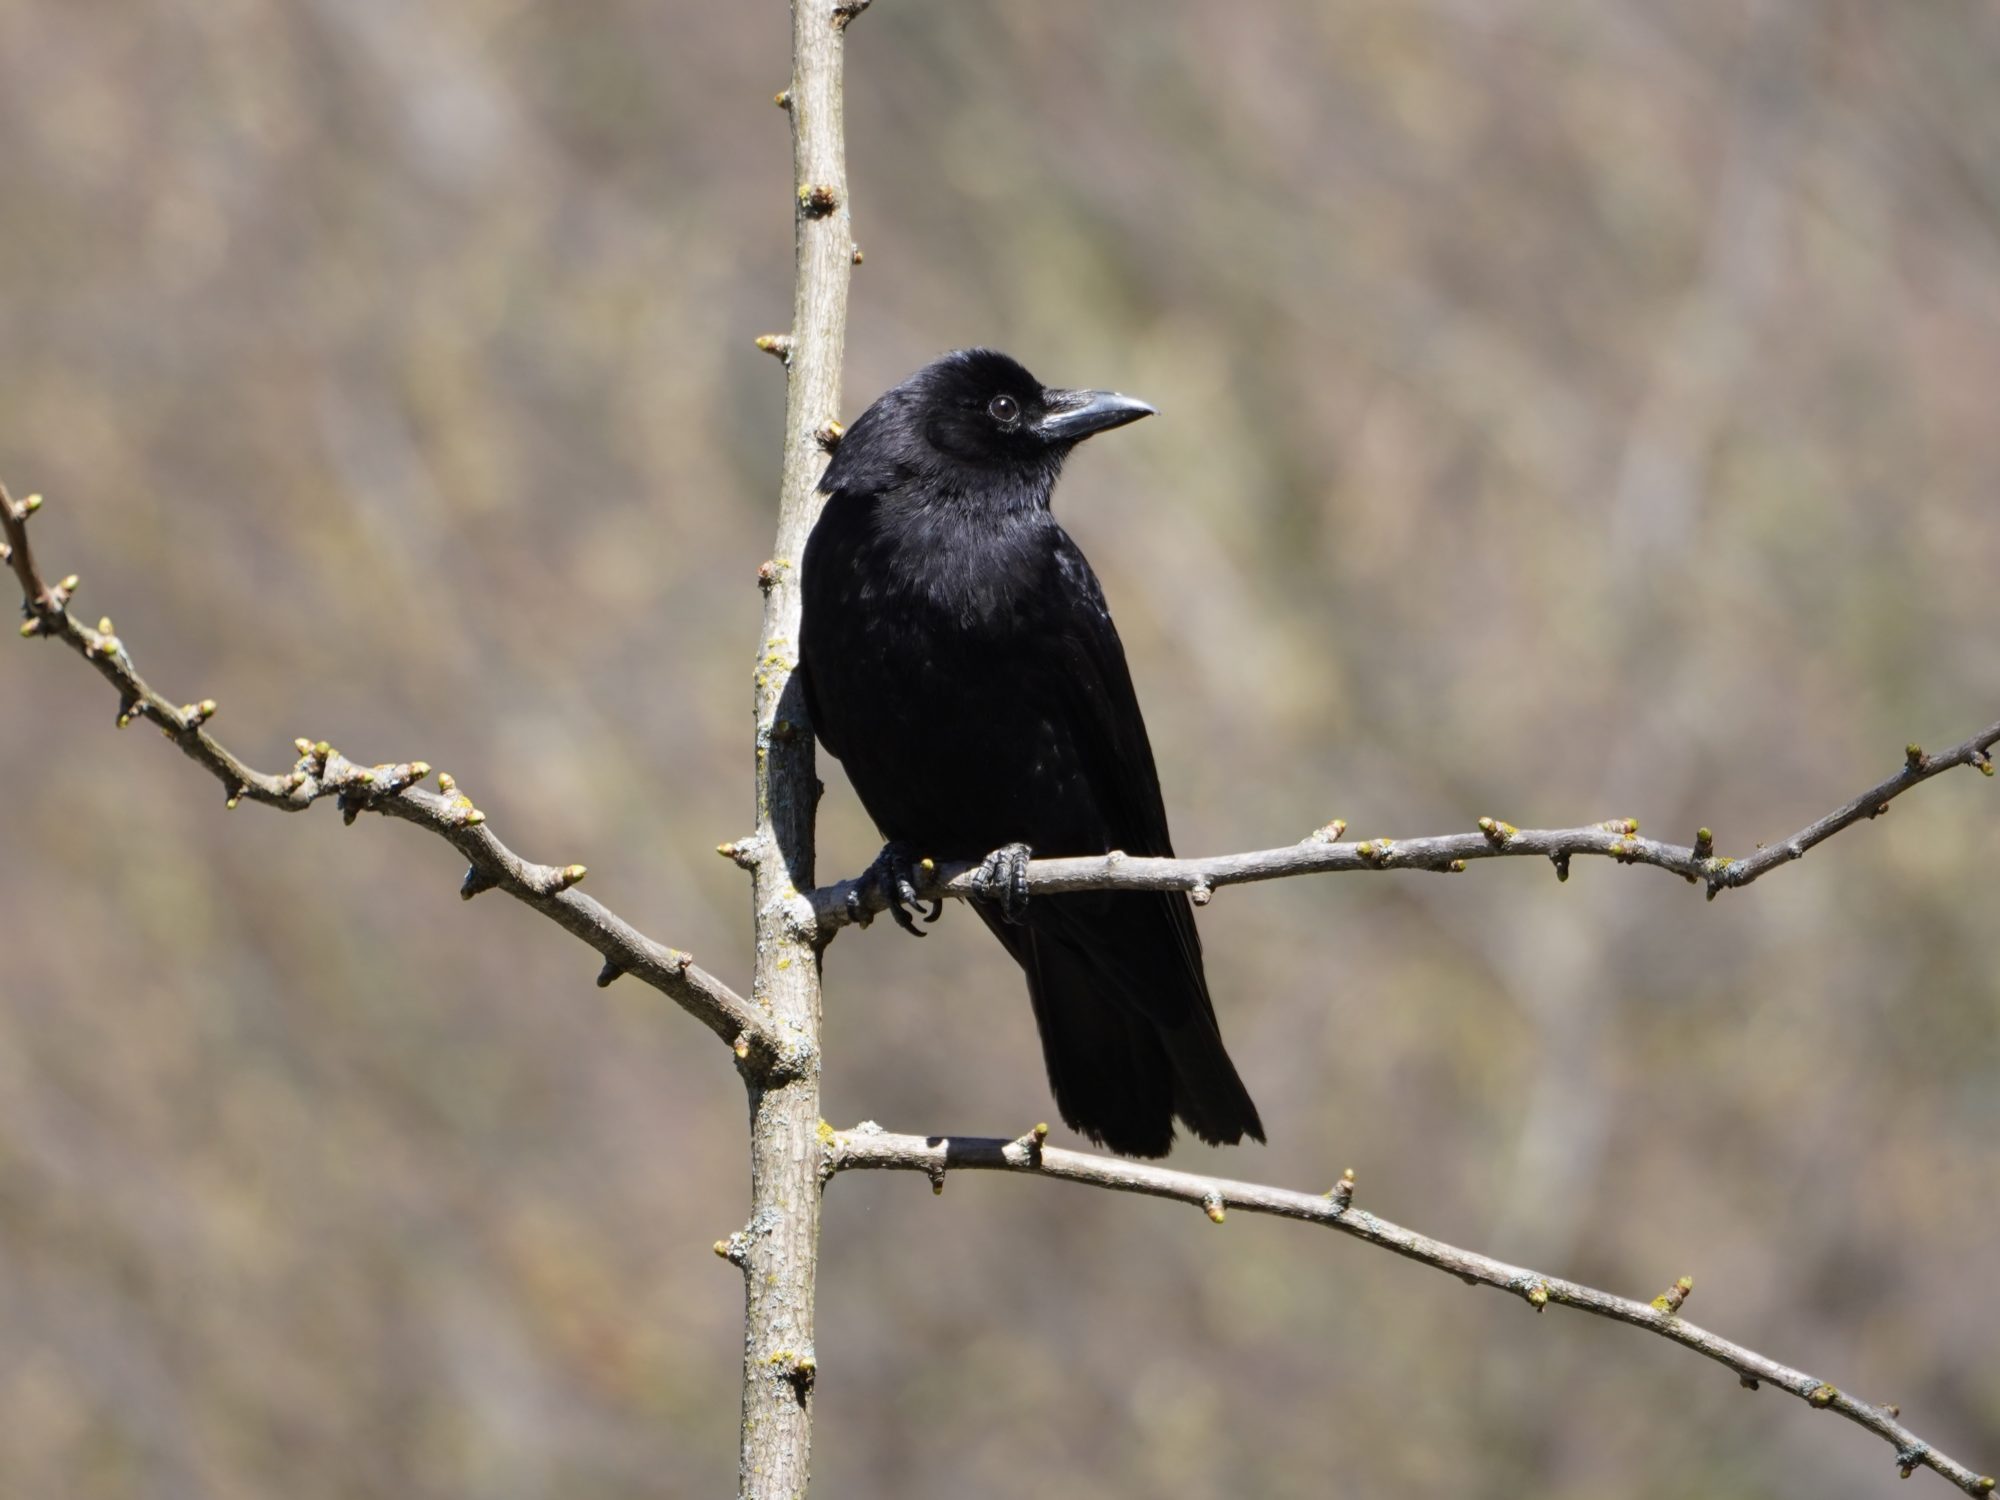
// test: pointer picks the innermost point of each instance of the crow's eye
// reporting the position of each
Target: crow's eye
(1005, 410)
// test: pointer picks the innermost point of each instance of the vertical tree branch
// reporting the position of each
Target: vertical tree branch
(779, 1247)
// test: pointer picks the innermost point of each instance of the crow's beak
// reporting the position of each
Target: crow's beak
(1074, 415)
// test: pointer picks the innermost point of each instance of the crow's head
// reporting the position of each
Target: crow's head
(973, 414)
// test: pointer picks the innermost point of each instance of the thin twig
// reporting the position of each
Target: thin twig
(391, 789)
(1322, 851)
(868, 1147)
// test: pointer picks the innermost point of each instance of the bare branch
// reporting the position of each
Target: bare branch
(1322, 851)
(778, 1249)
(868, 1147)
(391, 789)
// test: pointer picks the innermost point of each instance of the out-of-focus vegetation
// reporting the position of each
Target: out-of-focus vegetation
(1567, 411)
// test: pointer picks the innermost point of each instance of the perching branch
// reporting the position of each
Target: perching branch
(868, 1147)
(1321, 852)
(391, 789)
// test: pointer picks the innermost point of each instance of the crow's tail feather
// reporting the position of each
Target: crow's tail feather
(1128, 1031)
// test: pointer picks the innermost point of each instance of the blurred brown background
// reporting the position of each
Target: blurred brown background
(1568, 411)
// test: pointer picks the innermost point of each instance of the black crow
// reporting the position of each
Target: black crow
(961, 664)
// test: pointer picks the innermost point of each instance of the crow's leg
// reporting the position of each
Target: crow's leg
(1002, 877)
(895, 876)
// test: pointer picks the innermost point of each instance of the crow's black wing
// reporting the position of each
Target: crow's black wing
(1100, 710)
(1128, 1030)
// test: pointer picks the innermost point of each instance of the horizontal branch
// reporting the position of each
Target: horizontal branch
(321, 772)
(868, 1147)
(1323, 852)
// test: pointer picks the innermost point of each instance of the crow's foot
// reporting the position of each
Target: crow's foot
(1002, 877)
(895, 875)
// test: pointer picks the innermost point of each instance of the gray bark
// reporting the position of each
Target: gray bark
(779, 1248)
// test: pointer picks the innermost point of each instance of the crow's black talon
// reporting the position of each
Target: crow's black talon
(936, 911)
(906, 897)
(894, 876)
(904, 920)
(1002, 877)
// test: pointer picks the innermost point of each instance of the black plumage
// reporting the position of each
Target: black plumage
(962, 666)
